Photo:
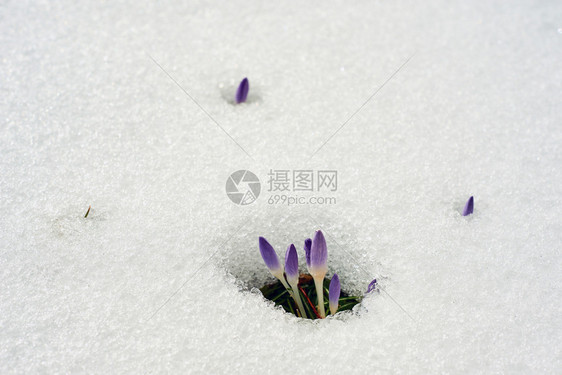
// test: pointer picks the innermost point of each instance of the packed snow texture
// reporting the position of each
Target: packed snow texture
(161, 276)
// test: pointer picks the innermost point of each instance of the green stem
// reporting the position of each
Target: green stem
(291, 307)
(349, 298)
(346, 306)
(279, 295)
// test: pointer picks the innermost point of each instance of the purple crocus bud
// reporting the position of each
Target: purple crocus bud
(334, 295)
(318, 267)
(318, 256)
(292, 274)
(307, 246)
(292, 265)
(372, 286)
(242, 92)
(270, 258)
(468, 207)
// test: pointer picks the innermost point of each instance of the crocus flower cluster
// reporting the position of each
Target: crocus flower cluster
(316, 254)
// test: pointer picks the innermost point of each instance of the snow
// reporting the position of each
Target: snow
(160, 276)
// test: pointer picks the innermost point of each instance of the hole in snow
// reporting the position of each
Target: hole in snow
(278, 294)
(241, 258)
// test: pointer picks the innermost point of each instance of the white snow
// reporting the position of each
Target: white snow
(159, 277)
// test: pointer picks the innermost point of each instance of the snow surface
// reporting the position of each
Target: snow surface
(159, 277)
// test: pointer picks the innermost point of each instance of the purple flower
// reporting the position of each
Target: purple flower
(334, 295)
(270, 258)
(468, 207)
(292, 274)
(292, 264)
(318, 256)
(318, 267)
(242, 91)
(307, 246)
(372, 286)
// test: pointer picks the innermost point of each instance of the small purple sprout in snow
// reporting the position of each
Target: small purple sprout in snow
(334, 293)
(242, 91)
(468, 207)
(372, 286)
